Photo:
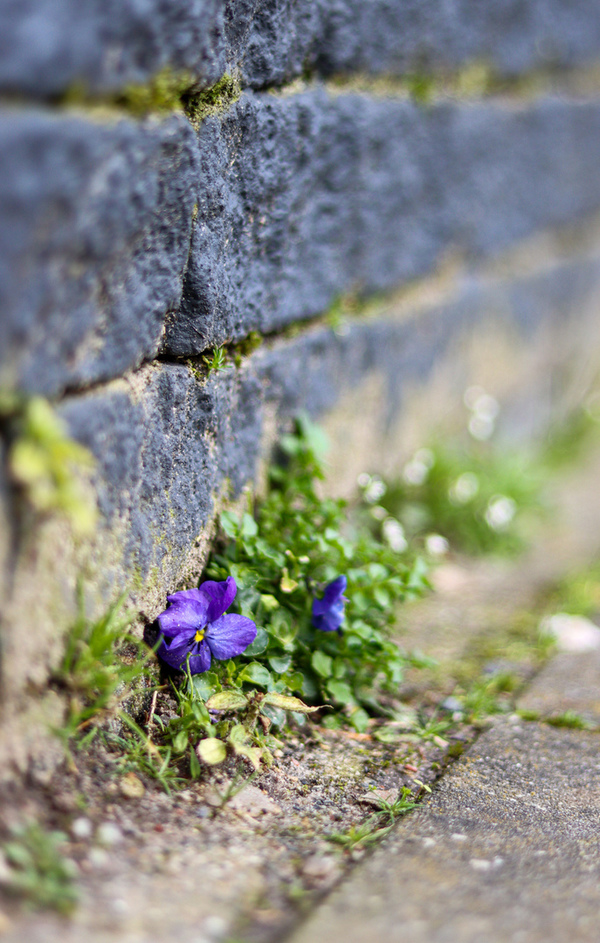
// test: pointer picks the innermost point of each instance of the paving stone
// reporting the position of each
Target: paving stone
(94, 237)
(47, 46)
(506, 849)
(570, 682)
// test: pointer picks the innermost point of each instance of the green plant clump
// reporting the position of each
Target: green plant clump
(282, 558)
(100, 662)
(39, 871)
(45, 463)
(474, 496)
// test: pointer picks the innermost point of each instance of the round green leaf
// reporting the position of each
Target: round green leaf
(280, 663)
(211, 751)
(255, 674)
(259, 644)
(322, 663)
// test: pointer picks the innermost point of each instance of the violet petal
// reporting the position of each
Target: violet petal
(200, 660)
(187, 610)
(230, 635)
(175, 655)
(220, 595)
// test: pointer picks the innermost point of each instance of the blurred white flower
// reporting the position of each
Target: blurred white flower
(485, 409)
(481, 427)
(393, 533)
(500, 512)
(374, 490)
(416, 470)
(464, 488)
(436, 545)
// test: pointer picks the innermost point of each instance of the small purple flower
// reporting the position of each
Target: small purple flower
(195, 625)
(328, 612)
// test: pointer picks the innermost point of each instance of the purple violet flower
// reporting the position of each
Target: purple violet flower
(328, 612)
(195, 624)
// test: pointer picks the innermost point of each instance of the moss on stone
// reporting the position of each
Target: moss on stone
(168, 92)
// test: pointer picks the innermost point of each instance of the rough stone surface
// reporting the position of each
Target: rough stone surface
(95, 232)
(48, 45)
(505, 849)
(299, 198)
(165, 446)
(307, 196)
(570, 682)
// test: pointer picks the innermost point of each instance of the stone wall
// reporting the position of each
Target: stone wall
(436, 160)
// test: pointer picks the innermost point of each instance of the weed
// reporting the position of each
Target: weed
(139, 753)
(45, 463)
(569, 719)
(39, 872)
(216, 361)
(281, 558)
(378, 825)
(100, 662)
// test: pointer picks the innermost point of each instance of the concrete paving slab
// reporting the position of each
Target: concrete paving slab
(570, 682)
(506, 850)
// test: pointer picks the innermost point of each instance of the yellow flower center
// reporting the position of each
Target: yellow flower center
(199, 635)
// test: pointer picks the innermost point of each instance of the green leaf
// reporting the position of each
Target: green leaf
(238, 734)
(359, 720)
(382, 597)
(204, 685)
(287, 703)
(180, 741)
(259, 644)
(281, 626)
(227, 701)
(287, 584)
(254, 754)
(321, 663)
(280, 663)
(269, 602)
(211, 751)
(195, 768)
(340, 692)
(249, 526)
(255, 674)
(230, 524)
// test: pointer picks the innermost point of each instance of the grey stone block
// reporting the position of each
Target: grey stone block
(48, 45)
(164, 449)
(167, 443)
(95, 226)
(309, 196)
(511, 35)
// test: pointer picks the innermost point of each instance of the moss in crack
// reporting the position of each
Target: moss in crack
(211, 101)
(167, 92)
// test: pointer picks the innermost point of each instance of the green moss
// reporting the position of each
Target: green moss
(167, 92)
(211, 101)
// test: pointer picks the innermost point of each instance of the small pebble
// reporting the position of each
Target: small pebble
(132, 787)
(215, 927)
(99, 858)
(81, 829)
(109, 834)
